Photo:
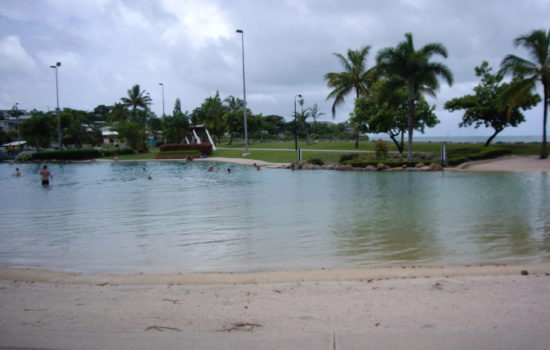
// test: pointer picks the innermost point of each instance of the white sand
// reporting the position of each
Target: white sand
(393, 299)
(508, 163)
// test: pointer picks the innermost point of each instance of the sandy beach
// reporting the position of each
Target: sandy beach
(508, 163)
(42, 309)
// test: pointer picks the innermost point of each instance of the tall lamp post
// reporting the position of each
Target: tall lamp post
(240, 31)
(59, 138)
(162, 86)
(296, 124)
(16, 108)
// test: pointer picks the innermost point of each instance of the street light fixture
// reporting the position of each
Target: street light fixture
(296, 124)
(240, 31)
(162, 86)
(59, 138)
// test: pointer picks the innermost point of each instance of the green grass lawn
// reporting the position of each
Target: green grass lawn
(259, 150)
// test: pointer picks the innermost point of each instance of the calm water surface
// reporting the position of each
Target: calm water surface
(109, 217)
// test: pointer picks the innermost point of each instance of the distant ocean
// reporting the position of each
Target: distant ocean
(467, 139)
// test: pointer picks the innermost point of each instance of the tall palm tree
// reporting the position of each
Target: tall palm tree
(405, 66)
(234, 103)
(537, 43)
(137, 99)
(354, 76)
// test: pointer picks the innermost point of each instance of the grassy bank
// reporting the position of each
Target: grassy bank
(286, 153)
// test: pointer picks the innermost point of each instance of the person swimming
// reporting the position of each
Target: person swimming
(17, 172)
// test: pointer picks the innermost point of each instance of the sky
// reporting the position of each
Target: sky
(191, 46)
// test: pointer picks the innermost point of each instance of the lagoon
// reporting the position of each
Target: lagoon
(109, 217)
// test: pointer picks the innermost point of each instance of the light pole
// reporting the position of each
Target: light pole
(240, 31)
(296, 124)
(162, 86)
(16, 108)
(59, 139)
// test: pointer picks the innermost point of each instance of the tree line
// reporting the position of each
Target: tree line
(390, 97)
(133, 119)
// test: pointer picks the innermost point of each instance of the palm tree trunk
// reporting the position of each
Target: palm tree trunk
(544, 151)
(410, 117)
(357, 139)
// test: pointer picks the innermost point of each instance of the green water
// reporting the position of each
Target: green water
(110, 217)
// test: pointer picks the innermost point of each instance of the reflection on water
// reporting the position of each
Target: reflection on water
(110, 217)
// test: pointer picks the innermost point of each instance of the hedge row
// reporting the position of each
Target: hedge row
(71, 154)
(203, 148)
(455, 158)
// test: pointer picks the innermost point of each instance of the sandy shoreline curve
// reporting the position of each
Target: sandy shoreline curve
(507, 164)
(267, 277)
(512, 163)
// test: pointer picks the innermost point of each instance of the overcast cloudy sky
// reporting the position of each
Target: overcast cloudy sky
(106, 46)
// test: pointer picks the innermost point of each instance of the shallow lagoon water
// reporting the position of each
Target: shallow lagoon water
(110, 217)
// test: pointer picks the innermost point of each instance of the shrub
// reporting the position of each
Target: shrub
(25, 156)
(463, 155)
(69, 154)
(316, 161)
(381, 150)
(203, 148)
(348, 157)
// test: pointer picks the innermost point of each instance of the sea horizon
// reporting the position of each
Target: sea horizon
(467, 139)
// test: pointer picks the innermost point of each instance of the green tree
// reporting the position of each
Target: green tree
(136, 99)
(382, 112)
(211, 113)
(234, 103)
(485, 107)
(528, 73)
(117, 112)
(175, 127)
(74, 124)
(132, 133)
(405, 66)
(274, 124)
(39, 130)
(354, 77)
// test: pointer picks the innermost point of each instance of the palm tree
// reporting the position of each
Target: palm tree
(405, 66)
(234, 103)
(354, 76)
(529, 73)
(136, 99)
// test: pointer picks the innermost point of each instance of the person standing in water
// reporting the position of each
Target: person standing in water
(46, 175)
(17, 172)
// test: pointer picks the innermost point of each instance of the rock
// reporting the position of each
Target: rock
(381, 166)
(396, 169)
(419, 165)
(370, 168)
(524, 272)
(425, 168)
(436, 166)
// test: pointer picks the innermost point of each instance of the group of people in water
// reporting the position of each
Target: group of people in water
(45, 175)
